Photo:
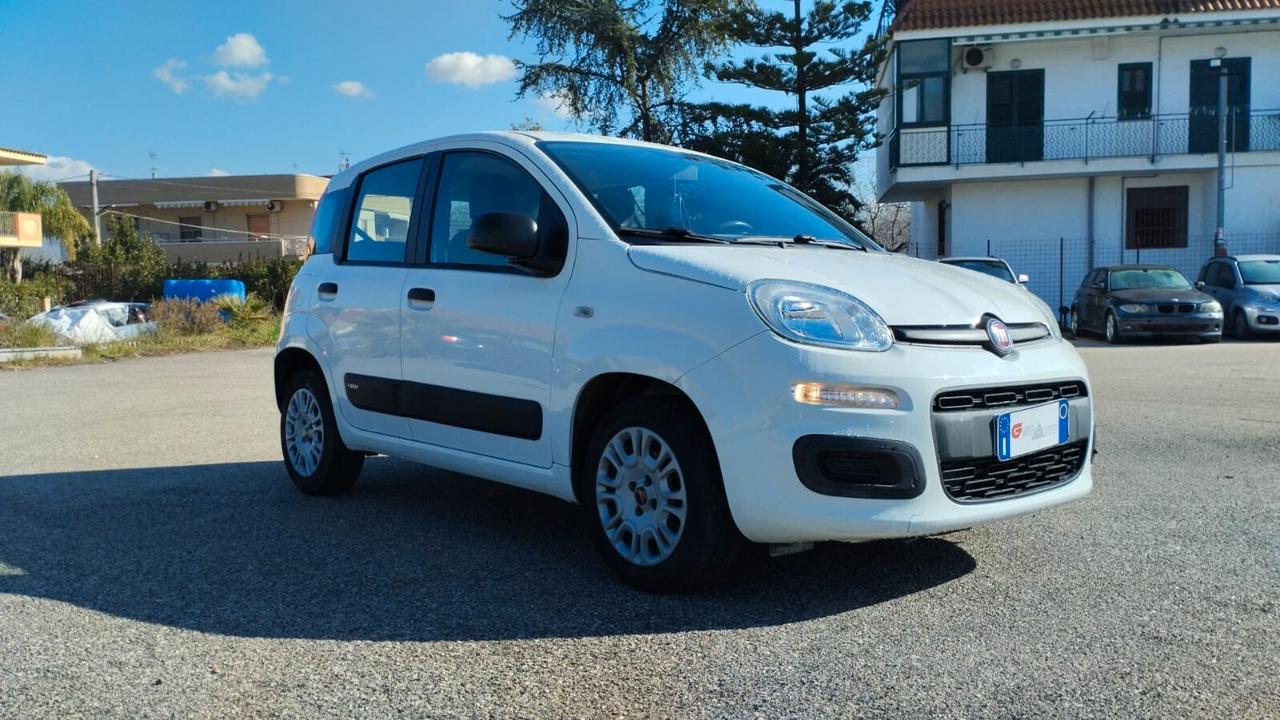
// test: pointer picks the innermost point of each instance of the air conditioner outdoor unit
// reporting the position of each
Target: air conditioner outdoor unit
(978, 57)
(211, 206)
(274, 206)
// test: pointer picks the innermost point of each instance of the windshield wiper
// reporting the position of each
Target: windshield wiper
(798, 240)
(672, 233)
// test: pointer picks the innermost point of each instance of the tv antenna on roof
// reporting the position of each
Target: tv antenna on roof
(344, 160)
(152, 155)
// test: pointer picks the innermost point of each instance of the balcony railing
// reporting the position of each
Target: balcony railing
(1085, 139)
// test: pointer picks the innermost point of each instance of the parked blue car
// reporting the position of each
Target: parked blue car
(1248, 287)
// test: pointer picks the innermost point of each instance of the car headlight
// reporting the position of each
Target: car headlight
(1135, 308)
(1268, 297)
(1211, 307)
(817, 315)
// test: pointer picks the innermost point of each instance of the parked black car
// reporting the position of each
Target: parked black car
(1143, 301)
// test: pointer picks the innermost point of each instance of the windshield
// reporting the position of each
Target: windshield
(1260, 272)
(994, 268)
(656, 189)
(1149, 278)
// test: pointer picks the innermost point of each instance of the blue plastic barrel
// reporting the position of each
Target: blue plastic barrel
(202, 290)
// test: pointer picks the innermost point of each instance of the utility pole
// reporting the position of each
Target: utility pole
(1220, 234)
(97, 213)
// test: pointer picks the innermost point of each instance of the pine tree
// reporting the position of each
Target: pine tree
(820, 135)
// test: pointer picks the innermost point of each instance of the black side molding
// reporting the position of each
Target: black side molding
(497, 414)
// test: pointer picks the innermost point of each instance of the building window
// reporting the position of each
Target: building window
(1156, 218)
(924, 82)
(1134, 99)
(190, 228)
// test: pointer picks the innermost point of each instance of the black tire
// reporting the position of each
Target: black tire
(338, 466)
(1074, 323)
(709, 541)
(1111, 329)
(1240, 326)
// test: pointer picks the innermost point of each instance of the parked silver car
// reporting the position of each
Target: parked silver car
(1248, 288)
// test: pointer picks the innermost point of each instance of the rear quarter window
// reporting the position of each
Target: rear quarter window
(328, 219)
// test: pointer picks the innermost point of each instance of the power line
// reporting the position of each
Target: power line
(274, 236)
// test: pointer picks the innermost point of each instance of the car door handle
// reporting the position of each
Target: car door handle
(421, 297)
(327, 290)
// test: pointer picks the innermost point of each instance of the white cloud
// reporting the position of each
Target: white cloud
(470, 69)
(57, 168)
(240, 50)
(354, 89)
(168, 73)
(554, 103)
(237, 85)
(218, 172)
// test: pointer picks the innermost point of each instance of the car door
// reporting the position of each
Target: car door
(477, 332)
(357, 297)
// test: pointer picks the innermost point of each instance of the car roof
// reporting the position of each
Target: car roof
(971, 257)
(1254, 256)
(1113, 268)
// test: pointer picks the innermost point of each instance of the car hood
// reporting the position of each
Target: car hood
(1272, 289)
(1158, 295)
(903, 290)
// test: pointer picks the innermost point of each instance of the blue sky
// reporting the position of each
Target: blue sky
(247, 87)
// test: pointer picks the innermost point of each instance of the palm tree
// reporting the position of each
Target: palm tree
(19, 193)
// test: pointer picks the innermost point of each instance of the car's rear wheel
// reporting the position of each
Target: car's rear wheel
(1112, 329)
(1240, 326)
(314, 454)
(656, 500)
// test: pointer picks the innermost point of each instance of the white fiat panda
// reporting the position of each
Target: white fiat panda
(698, 354)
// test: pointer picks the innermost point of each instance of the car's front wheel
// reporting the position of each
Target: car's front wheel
(1073, 323)
(657, 504)
(1112, 328)
(314, 454)
(1240, 326)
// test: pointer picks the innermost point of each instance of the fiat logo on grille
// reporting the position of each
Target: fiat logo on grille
(998, 334)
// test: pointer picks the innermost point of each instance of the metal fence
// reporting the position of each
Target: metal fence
(1057, 266)
(1085, 139)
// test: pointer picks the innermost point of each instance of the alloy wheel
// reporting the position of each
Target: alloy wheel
(640, 496)
(304, 432)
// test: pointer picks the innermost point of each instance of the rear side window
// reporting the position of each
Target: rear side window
(324, 225)
(476, 183)
(380, 220)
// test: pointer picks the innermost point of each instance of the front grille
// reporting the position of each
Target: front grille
(972, 480)
(1170, 308)
(1012, 396)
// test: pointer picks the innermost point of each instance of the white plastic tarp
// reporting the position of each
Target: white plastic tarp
(92, 324)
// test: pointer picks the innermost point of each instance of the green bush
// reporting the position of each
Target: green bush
(126, 267)
(15, 334)
(24, 299)
(185, 317)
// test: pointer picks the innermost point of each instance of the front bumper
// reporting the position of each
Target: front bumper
(1263, 318)
(745, 395)
(1170, 325)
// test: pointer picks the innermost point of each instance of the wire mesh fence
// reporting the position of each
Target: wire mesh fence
(1057, 266)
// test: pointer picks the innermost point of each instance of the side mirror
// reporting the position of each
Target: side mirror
(1199, 284)
(1023, 279)
(510, 235)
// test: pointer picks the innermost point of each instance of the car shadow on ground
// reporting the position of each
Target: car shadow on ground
(410, 553)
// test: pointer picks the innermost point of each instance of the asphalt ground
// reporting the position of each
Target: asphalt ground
(156, 562)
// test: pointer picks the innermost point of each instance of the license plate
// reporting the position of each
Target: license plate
(1027, 431)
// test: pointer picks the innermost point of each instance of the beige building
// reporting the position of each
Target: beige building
(20, 230)
(213, 219)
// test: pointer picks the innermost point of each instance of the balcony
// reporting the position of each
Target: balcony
(20, 230)
(1085, 139)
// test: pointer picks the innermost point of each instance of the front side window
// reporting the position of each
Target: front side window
(657, 189)
(473, 184)
(324, 224)
(1149, 279)
(1220, 275)
(1134, 97)
(1260, 272)
(924, 79)
(1156, 218)
(380, 222)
